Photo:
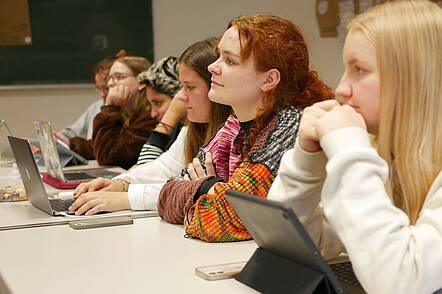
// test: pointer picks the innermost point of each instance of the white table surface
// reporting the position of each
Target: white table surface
(16, 215)
(19, 215)
(150, 256)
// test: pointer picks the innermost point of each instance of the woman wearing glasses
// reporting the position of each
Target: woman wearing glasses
(123, 124)
(81, 129)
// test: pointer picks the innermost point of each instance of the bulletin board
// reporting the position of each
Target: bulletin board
(15, 28)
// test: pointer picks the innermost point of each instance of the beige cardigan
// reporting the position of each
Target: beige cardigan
(349, 210)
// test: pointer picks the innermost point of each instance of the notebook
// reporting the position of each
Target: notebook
(276, 228)
(55, 175)
(31, 179)
(6, 155)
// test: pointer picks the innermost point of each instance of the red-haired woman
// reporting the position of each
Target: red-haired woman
(263, 73)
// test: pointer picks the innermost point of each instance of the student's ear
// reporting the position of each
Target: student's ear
(272, 78)
(141, 87)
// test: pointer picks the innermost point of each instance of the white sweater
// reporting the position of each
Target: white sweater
(146, 180)
(388, 254)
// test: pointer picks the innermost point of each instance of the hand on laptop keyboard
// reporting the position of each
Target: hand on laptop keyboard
(94, 202)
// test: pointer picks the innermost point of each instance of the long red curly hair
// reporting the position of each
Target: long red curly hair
(276, 43)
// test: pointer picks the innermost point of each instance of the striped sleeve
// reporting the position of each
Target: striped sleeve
(149, 153)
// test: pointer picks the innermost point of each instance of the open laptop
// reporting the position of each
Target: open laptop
(276, 229)
(55, 175)
(6, 155)
(50, 146)
(31, 179)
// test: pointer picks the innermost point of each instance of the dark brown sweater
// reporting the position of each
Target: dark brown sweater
(112, 143)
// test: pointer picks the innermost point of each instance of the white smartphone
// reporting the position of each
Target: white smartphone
(219, 271)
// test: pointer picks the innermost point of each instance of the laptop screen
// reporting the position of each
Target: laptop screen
(49, 149)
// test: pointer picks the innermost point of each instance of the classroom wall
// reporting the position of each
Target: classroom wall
(177, 24)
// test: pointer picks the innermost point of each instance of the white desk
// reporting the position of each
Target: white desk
(150, 256)
(19, 215)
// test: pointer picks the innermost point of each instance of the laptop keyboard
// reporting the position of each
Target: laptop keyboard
(60, 204)
(344, 272)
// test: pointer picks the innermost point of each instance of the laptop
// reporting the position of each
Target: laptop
(48, 143)
(55, 175)
(6, 155)
(277, 230)
(31, 179)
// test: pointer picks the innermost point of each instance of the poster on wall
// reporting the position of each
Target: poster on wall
(334, 15)
(348, 9)
(15, 29)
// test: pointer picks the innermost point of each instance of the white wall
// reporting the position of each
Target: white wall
(61, 105)
(177, 24)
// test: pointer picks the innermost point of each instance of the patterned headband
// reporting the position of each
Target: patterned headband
(162, 76)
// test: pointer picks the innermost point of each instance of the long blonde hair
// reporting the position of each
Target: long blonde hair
(407, 36)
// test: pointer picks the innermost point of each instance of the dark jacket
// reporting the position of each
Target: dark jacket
(113, 143)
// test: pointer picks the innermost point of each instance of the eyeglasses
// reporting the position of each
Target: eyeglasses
(117, 77)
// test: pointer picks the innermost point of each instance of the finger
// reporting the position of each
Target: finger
(77, 203)
(127, 95)
(87, 206)
(191, 171)
(97, 184)
(210, 169)
(327, 104)
(113, 186)
(351, 111)
(186, 177)
(118, 92)
(362, 120)
(319, 109)
(123, 92)
(347, 107)
(316, 112)
(89, 187)
(198, 168)
(307, 121)
(81, 201)
(308, 133)
(84, 187)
